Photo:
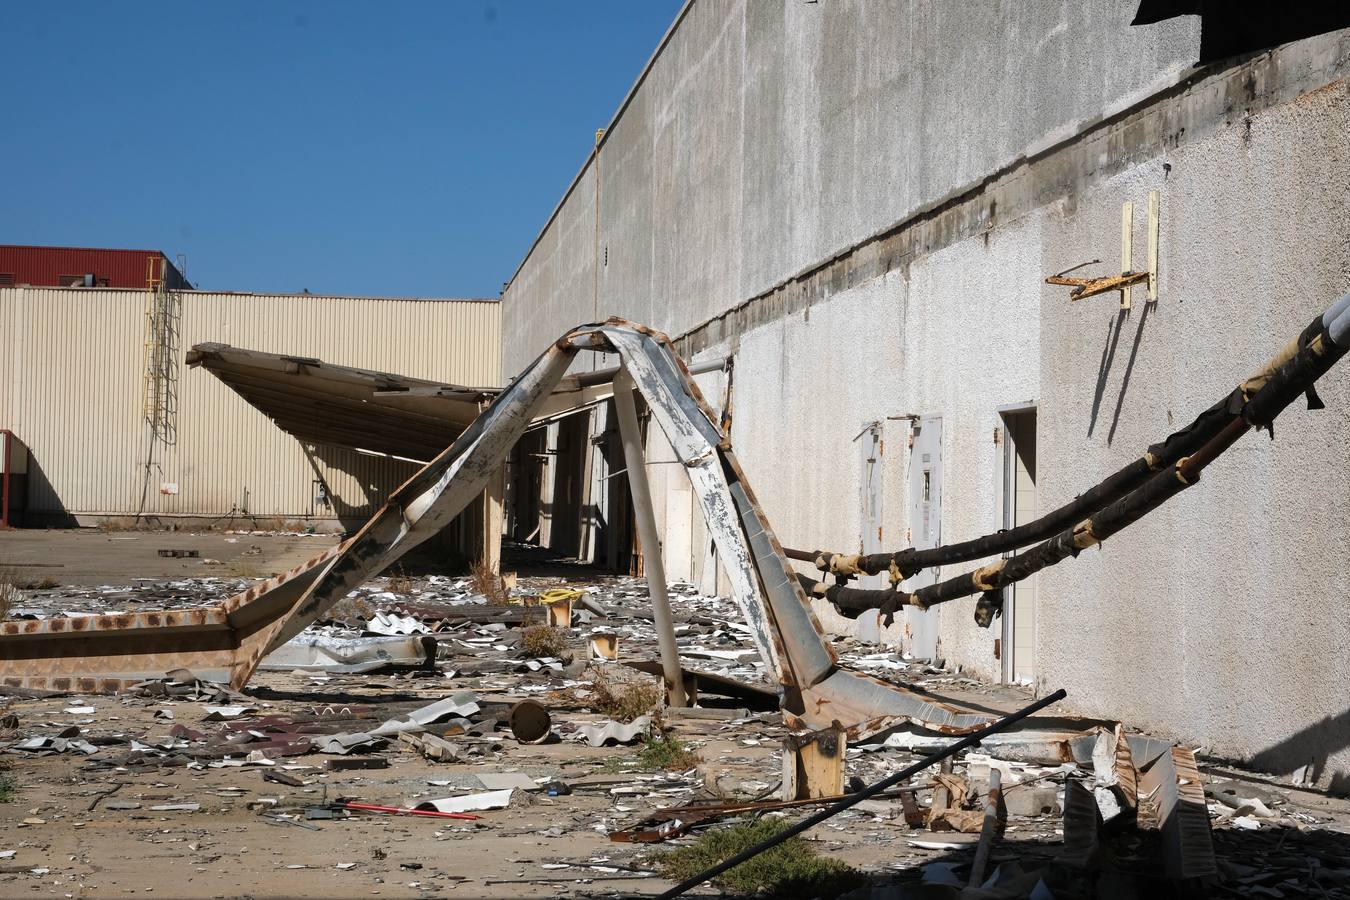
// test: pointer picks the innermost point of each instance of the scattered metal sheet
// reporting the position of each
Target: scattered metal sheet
(619, 733)
(324, 653)
(469, 803)
(1176, 798)
(392, 624)
(1082, 825)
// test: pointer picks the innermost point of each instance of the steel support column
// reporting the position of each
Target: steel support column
(631, 436)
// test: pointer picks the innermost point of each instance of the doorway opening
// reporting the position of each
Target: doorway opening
(1018, 640)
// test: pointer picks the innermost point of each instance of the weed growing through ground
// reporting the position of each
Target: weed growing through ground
(9, 788)
(791, 869)
(662, 752)
(543, 640)
(489, 583)
(623, 702)
(399, 581)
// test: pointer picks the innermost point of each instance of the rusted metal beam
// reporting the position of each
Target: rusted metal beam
(1090, 287)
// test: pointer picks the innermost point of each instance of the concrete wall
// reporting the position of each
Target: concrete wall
(72, 375)
(767, 137)
(870, 243)
(1218, 615)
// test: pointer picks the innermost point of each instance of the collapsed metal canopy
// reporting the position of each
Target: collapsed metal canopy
(322, 403)
(228, 641)
(379, 412)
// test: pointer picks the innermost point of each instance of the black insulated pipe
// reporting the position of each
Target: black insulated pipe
(1318, 348)
(1316, 351)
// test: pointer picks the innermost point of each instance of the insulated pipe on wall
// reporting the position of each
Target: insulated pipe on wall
(1292, 372)
(631, 436)
(1337, 321)
(1259, 399)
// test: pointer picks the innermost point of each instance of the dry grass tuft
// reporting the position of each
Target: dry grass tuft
(543, 640)
(13, 582)
(489, 584)
(399, 581)
(8, 588)
(624, 701)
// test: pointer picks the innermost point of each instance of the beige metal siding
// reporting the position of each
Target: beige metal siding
(72, 367)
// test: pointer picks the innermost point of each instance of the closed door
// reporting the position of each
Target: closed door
(925, 524)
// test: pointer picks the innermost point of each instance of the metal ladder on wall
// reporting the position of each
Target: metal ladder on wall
(159, 397)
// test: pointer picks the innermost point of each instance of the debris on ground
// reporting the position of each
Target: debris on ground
(422, 711)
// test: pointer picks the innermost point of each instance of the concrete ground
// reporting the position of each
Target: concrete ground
(90, 556)
(80, 825)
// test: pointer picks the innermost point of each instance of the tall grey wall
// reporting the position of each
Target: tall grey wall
(767, 137)
(860, 204)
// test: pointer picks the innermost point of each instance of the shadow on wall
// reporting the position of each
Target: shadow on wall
(351, 512)
(1312, 745)
(1113, 331)
(38, 485)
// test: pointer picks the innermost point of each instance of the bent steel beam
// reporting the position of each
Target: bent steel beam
(229, 640)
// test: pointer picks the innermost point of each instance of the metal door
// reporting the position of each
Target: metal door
(925, 524)
(872, 447)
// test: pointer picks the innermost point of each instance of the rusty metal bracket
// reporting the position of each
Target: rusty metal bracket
(1125, 281)
(1090, 287)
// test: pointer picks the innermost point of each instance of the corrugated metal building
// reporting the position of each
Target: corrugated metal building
(72, 388)
(86, 267)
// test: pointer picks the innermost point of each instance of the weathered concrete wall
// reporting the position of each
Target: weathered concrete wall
(958, 338)
(1210, 620)
(872, 244)
(1213, 619)
(1218, 616)
(766, 137)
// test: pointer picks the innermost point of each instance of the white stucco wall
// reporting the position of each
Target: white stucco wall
(765, 143)
(1217, 617)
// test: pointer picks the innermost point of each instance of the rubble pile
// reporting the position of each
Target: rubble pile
(413, 716)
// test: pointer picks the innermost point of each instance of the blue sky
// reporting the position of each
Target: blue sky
(394, 148)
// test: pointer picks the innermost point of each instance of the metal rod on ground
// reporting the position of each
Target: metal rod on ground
(989, 829)
(870, 791)
(631, 435)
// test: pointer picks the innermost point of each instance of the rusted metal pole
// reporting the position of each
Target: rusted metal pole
(989, 831)
(631, 436)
